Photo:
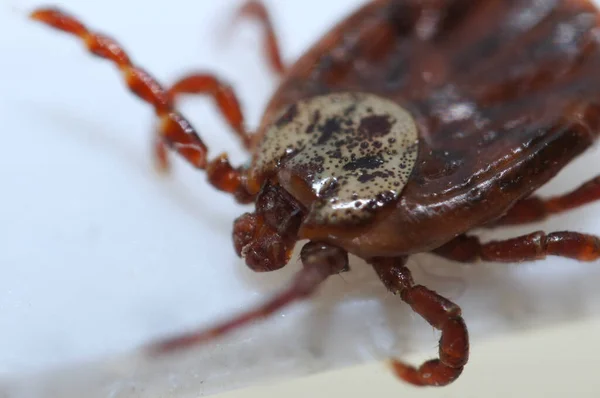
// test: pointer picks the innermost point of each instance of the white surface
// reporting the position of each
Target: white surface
(99, 255)
(501, 367)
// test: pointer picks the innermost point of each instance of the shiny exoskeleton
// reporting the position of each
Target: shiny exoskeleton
(405, 127)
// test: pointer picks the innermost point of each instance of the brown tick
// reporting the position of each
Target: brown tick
(404, 128)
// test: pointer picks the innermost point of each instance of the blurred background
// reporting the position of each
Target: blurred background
(99, 255)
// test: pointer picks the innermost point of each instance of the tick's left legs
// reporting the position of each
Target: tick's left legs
(440, 313)
(535, 246)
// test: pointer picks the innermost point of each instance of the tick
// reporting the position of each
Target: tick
(404, 128)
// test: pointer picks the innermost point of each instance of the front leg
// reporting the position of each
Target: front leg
(440, 313)
(535, 246)
(319, 261)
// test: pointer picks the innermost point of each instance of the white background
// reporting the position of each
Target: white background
(99, 255)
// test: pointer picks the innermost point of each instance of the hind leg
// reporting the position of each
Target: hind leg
(535, 208)
(535, 246)
(440, 313)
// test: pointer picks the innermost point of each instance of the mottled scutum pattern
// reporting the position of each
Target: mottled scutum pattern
(354, 151)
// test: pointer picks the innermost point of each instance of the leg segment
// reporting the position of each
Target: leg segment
(257, 10)
(440, 313)
(319, 262)
(535, 246)
(221, 93)
(224, 97)
(536, 209)
(174, 132)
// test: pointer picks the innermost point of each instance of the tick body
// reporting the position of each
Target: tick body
(407, 126)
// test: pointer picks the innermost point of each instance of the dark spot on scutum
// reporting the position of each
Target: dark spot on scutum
(385, 197)
(288, 116)
(339, 143)
(336, 154)
(315, 120)
(364, 163)
(375, 126)
(329, 190)
(371, 205)
(349, 110)
(351, 145)
(290, 152)
(330, 127)
(371, 176)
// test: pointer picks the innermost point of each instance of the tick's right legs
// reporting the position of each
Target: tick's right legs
(537, 209)
(440, 313)
(174, 132)
(535, 246)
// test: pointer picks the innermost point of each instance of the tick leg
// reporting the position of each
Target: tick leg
(257, 10)
(319, 262)
(536, 209)
(440, 313)
(175, 132)
(223, 95)
(535, 246)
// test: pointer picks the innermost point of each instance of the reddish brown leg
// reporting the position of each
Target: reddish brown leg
(175, 132)
(536, 209)
(257, 10)
(223, 95)
(319, 261)
(440, 313)
(535, 246)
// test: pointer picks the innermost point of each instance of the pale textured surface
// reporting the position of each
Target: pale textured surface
(99, 255)
(359, 151)
(493, 373)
